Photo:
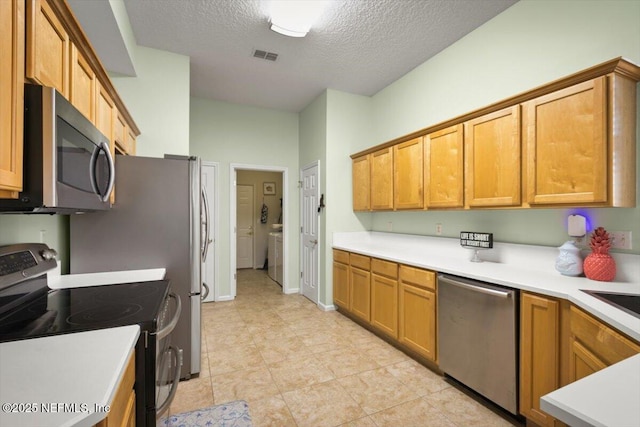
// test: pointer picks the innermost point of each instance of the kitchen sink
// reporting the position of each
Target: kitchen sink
(626, 302)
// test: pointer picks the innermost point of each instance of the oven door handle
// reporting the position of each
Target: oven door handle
(167, 329)
(174, 387)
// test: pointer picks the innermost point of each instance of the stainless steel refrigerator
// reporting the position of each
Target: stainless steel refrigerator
(155, 222)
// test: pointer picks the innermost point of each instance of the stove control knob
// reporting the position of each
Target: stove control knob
(48, 254)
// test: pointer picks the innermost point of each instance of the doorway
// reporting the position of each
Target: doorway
(270, 191)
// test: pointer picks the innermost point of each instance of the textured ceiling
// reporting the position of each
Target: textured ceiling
(358, 46)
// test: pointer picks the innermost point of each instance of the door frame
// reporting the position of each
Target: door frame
(214, 218)
(316, 164)
(233, 169)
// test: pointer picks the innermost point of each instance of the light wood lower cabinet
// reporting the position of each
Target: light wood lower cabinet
(122, 407)
(417, 311)
(360, 286)
(540, 339)
(384, 296)
(594, 345)
(12, 97)
(341, 288)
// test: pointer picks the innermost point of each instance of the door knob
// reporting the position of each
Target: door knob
(315, 242)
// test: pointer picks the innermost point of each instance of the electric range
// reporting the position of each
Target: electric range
(29, 309)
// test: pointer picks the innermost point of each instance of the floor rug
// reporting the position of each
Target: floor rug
(231, 414)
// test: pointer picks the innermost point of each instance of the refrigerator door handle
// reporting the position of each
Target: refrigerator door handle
(206, 291)
(205, 223)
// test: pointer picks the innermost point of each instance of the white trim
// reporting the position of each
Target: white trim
(233, 168)
(215, 218)
(323, 307)
(292, 291)
(316, 164)
(224, 298)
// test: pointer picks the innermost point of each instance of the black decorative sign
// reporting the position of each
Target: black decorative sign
(470, 239)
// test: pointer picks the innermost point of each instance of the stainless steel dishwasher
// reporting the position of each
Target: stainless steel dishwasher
(478, 337)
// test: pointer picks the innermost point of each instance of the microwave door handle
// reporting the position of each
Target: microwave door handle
(205, 248)
(112, 171)
(92, 170)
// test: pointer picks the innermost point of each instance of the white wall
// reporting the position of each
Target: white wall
(228, 133)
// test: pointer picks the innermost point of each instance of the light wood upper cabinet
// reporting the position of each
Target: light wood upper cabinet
(47, 47)
(417, 311)
(384, 296)
(408, 175)
(82, 86)
(12, 98)
(540, 338)
(382, 179)
(493, 159)
(594, 345)
(361, 172)
(574, 156)
(444, 168)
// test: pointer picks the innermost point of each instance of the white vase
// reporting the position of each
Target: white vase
(569, 261)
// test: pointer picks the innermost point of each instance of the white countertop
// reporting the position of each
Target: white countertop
(78, 370)
(56, 281)
(526, 267)
(607, 398)
(601, 399)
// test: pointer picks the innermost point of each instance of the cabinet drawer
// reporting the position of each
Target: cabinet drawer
(417, 276)
(609, 345)
(384, 268)
(360, 261)
(341, 256)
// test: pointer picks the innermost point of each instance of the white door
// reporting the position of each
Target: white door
(208, 176)
(309, 238)
(244, 224)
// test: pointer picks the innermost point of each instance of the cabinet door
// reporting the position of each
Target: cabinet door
(582, 362)
(47, 47)
(408, 175)
(82, 86)
(361, 183)
(566, 140)
(384, 304)
(493, 159)
(341, 285)
(444, 168)
(539, 354)
(119, 132)
(417, 313)
(382, 179)
(360, 282)
(12, 98)
(131, 142)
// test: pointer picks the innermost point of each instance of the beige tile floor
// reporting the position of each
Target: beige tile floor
(296, 365)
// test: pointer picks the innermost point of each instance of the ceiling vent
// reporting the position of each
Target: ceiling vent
(263, 54)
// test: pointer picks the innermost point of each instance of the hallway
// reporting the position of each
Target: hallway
(296, 365)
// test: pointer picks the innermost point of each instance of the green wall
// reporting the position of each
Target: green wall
(228, 133)
(528, 45)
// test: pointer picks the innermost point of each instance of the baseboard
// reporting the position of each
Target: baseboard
(225, 298)
(324, 307)
(292, 291)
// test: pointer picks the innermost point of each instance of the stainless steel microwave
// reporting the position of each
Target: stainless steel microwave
(68, 167)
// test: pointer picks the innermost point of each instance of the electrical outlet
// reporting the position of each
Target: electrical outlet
(43, 233)
(620, 239)
(438, 229)
(389, 226)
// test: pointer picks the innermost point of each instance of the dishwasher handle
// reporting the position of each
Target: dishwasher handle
(474, 287)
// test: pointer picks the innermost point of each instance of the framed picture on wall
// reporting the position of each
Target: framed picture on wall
(269, 188)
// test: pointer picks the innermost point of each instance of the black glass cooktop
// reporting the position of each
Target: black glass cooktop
(80, 309)
(626, 302)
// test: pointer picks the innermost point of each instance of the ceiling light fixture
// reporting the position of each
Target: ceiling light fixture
(294, 18)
